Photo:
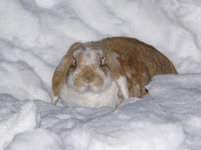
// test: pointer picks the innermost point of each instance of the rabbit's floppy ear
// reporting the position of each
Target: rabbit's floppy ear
(117, 72)
(61, 72)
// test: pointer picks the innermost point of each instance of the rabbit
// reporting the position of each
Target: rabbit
(106, 72)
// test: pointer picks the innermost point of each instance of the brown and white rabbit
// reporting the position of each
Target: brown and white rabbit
(106, 72)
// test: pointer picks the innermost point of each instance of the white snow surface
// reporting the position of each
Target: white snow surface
(35, 34)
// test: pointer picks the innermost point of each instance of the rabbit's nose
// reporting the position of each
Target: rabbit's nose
(88, 77)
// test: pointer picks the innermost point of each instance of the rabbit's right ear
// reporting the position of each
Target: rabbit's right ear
(61, 72)
(117, 72)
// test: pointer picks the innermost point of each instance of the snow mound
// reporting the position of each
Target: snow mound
(39, 139)
(24, 120)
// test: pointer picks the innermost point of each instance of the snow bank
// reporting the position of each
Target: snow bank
(39, 139)
(24, 120)
(170, 114)
(35, 34)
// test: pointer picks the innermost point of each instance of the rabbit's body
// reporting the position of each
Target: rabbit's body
(105, 72)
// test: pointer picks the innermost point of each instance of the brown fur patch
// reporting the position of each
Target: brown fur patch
(141, 60)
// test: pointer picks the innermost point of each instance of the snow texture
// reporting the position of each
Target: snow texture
(35, 34)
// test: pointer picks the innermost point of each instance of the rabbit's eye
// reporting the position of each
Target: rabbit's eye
(73, 61)
(102, 61)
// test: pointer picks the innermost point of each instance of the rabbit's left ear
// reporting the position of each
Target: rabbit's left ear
(117, 72)
(59, 77)
(61, 72)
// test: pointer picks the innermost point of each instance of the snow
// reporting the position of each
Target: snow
(35, 34)
(25, 119)
(24, 140)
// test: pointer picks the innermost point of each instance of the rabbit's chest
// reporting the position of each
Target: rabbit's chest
(108, 97)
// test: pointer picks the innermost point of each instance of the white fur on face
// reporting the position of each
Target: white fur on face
(90, 56)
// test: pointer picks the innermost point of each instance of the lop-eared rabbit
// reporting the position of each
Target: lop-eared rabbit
(106, 72)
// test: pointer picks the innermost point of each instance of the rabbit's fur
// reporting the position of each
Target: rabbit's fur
(104, 73)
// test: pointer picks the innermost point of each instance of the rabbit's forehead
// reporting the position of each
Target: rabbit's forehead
(88, 54)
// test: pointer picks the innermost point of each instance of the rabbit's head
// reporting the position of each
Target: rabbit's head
(89, 67)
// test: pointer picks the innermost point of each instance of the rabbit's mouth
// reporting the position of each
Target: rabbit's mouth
(91, 88)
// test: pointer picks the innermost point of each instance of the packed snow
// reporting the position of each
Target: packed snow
(35, 34)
